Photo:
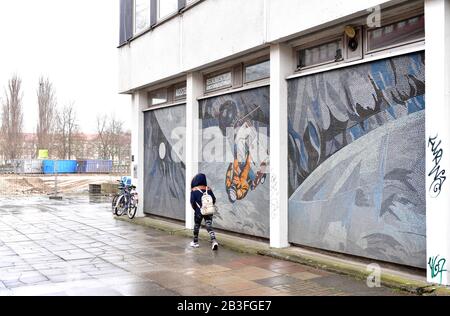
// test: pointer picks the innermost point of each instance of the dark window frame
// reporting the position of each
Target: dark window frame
(390, 17)
(152, 93)
(183, 6)
(237, 71)
(146, 29)
(160, 18)
(318, 43)
(255, 62)
(389, 22)
(171, 98)
(126, 28)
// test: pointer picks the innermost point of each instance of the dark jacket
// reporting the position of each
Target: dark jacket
(196, 196)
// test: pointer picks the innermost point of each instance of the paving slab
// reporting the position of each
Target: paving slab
(76, 247)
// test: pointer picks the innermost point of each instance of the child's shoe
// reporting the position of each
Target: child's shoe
(194, 244)
(215, 245)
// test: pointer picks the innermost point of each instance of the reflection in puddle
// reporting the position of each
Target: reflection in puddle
(99, 199)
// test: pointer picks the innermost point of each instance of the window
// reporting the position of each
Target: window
(220, 81)
(169, 95)
(126, 21)
(157, 97)
(328, 52)
(402, 28)
(166, 8)
(251, 71)
(396, 34)
(257, 71)
(141, 15)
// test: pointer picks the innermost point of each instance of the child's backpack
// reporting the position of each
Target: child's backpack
(208, 207)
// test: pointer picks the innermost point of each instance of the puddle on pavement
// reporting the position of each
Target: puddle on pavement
(99, 199)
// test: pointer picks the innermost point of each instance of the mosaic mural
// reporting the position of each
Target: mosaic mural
(357, 160)
(235, 158)
(164, 162)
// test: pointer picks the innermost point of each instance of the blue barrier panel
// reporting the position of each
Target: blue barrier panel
(62, 166)
(94, 166)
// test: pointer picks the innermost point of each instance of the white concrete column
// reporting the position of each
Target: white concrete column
(139, 103)
(281, 65)
(437, 102)
(194, 91)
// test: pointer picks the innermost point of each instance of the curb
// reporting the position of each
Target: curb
(247, 246)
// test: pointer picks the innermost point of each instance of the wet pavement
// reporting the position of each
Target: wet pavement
(75, 247)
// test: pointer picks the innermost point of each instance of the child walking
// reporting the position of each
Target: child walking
(199, 186)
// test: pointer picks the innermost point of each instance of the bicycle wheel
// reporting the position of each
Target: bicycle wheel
(121, 205)
(113, 203)
(132, 211)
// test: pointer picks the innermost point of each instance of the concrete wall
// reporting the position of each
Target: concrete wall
(219, 29)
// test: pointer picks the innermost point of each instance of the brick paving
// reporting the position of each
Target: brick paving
(75, 247)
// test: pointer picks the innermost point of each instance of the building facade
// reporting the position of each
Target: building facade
(319, 124)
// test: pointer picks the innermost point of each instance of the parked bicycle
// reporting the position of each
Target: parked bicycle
(126, 202)
(121, 186)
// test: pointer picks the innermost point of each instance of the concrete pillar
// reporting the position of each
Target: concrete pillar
(281, 66)
(194, 91)
(139, 101)
(437, 65)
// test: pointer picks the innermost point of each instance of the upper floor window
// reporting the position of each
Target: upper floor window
(257, 71)
(325, 53)
(158, 97)
(396, 34)
(141, 15)
(356, 41)
(166, 8)
(169, 95)
(246, 73)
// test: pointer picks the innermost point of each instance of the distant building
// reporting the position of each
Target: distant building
(85, 146)
(308, 119)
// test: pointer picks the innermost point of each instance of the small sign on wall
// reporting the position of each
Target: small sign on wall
(219, 81)
(180, 92)
(135, 171)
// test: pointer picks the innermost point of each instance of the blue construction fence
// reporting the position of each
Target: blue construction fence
(76, 166)
(81, 166)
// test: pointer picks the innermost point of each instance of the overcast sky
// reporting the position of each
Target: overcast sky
(73, 42)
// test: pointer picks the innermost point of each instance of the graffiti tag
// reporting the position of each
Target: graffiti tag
(374, 278)
(439, 175)
(437, 267)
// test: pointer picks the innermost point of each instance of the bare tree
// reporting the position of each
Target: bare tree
(116, 133)
(103, 142)
(109, 138)
(47, 107)
(66, 131)
(81, 145)
(12, 120)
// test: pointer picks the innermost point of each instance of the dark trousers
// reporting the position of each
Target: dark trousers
(198, 223)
